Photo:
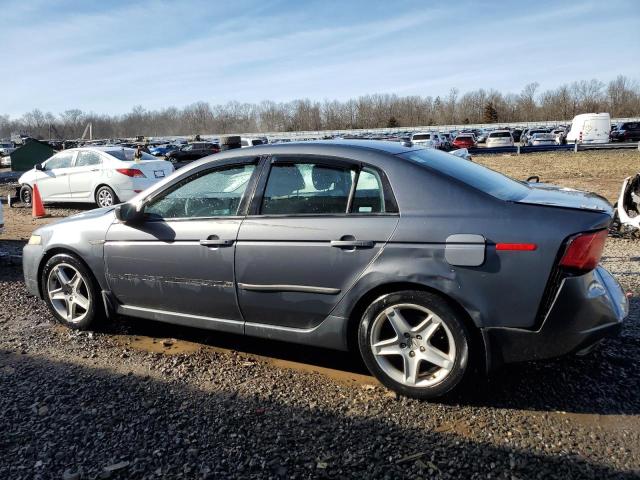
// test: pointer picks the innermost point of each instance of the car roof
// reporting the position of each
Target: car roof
(393, 148)
(104, 148)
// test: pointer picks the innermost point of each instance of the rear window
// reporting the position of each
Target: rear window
(423, 136)
(464, 137)
(499, 135)
(126, 155)
(474, 175)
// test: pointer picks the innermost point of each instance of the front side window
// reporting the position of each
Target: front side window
(208, 194)
(86, 159)
(307, 188)
(61, 160)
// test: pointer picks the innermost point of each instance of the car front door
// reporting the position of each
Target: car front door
(177, 264)
(309, 237)
(53, 181)
(83, 174)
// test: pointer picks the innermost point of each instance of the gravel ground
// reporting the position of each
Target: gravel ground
(144, 400)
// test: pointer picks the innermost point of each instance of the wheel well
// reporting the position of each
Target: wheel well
(477, 342)
(56, 251)
(98, 187)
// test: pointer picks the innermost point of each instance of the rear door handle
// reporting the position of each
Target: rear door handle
(352, 243)
(216, 242)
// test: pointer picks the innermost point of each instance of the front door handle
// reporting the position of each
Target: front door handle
(215, 242)
(352, 243)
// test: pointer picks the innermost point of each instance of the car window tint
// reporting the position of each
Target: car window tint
(86, 159)
(210, 194)
(369, 194)
(473, 174)
(61, 160)
(307, 188)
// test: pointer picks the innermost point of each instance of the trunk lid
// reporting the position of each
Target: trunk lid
(554, 196)
(152, 168)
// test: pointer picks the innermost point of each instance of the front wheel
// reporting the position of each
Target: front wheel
(106, 197)
(70, 292)
(414, 343)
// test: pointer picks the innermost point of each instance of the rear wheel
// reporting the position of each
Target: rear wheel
(414, 343)
(106, 197)
(26, 195)
(70, 292)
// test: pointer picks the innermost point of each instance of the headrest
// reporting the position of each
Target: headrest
(323, 178)
(284, 180)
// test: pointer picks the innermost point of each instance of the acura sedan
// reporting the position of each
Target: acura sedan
(428, 265)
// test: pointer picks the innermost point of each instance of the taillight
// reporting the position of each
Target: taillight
(131, 172)
(583, 251)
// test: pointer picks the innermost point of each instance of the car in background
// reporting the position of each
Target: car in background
(465, 140)
(529, 132)
(445, 143)
(334, 245)
(540, 139)
(590, 128)
(499, 138)
(6, 148)
(5, 161)
(193, 151)
(426, 139)
(516, 133)
(252, 142)
(163, 150)
(1, 219)
(102, 175)
(625, 132)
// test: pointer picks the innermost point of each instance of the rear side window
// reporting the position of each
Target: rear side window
(86, 159)
(474, 175)
(369, 193)
(307, 188)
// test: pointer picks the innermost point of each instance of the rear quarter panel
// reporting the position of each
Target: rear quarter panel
(507, 289)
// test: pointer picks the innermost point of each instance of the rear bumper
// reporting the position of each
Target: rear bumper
(586, 309)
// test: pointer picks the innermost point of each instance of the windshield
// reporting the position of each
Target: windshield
(126, 154)
(476, 176)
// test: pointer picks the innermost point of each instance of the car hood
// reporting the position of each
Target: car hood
(555, 196)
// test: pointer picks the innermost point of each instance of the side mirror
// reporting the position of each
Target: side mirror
(128, 213)
(39, 166)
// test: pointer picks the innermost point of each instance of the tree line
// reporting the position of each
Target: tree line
(620, 97)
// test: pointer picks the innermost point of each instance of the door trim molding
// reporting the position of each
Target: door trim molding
(289, 288)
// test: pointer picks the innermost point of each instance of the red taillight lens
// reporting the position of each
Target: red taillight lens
(131, 172)
(584, 251)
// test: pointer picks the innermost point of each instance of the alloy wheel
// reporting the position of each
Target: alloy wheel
(68, 292)
(412, 345)
(105, 199)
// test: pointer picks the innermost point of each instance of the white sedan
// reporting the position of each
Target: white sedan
(101, 175)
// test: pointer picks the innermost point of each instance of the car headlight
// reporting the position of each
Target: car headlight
(35, 240)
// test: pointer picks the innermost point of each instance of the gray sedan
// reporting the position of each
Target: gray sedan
(430, 266)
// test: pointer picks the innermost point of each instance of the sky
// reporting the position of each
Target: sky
(107, 56)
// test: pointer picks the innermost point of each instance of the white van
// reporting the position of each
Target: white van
(590, 128)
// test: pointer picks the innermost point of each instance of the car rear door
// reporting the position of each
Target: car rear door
(310, 235)
(178, 264)
(83, 174)
(53, 181)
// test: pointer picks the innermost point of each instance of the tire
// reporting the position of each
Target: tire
(435, 333)
(61, 288)
(106, 197)
(26, 195)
